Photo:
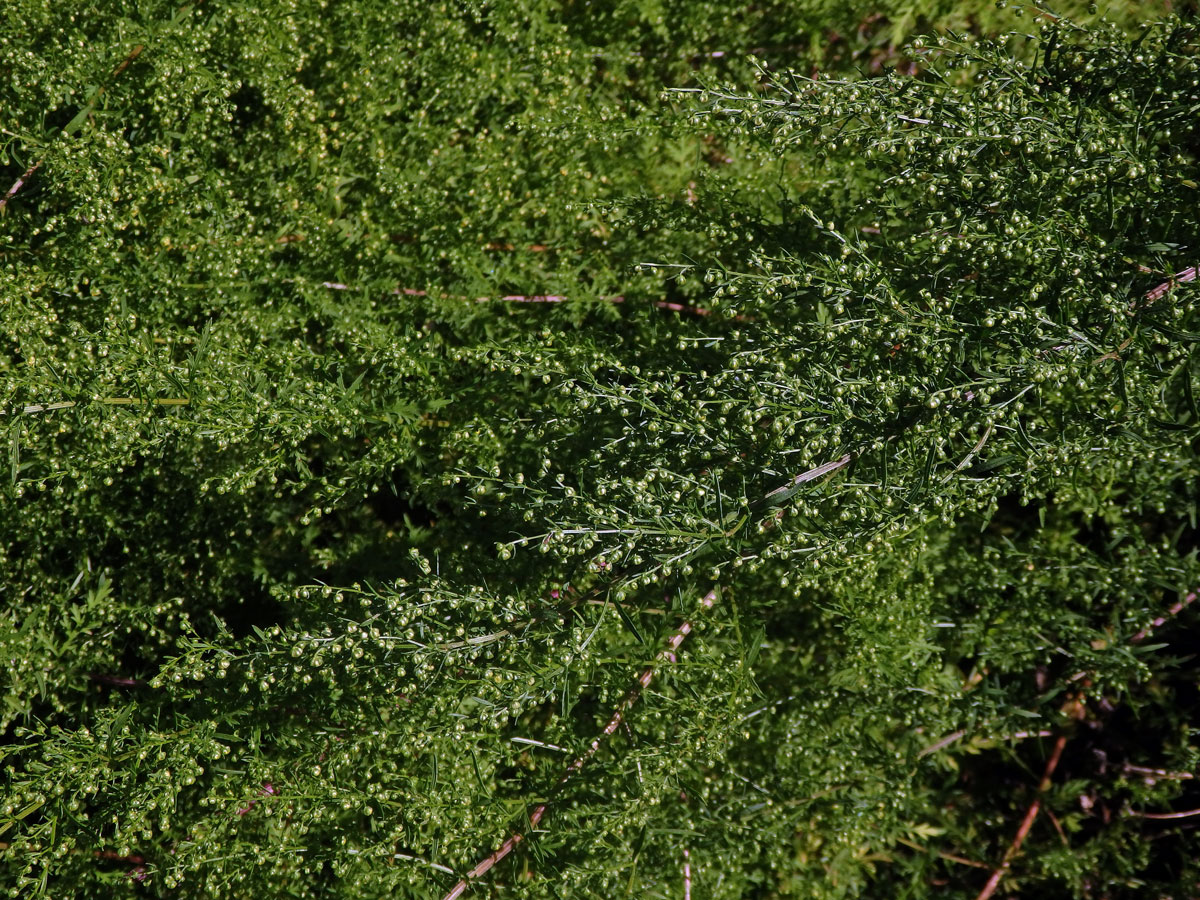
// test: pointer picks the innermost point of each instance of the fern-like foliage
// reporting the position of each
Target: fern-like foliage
(618, 451)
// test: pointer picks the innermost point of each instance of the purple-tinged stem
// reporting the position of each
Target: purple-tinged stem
(1188, 274)
(18, 184)
(1186, 814)
(1161, 620)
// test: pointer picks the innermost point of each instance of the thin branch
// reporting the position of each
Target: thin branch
(510, 298)
(966, 460)
(41, 407)
(72, 125)
(115, 680)
(1151, 774)
(19, 183)
(1062, 835)
(959, 735)
(785, 493)
(942, 744)
(420, 859)
(1031, 815)
(1186, 814)
(533, 743)
(1171, 613)
(941, 854)
(618, 716)
(961, 860)
(103, 401)
(412, 857)
(535, 298)
(1186, 275)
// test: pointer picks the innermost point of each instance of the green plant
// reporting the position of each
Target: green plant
(362, 491)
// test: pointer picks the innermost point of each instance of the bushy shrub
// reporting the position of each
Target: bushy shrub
(418, 426)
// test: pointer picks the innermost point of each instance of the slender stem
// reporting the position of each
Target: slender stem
(72, 125)
(1188, 813)
(941, 854)
(1031, 815)
(1171, 613)
(959, 735)
(18, 184)
(1130, 769)
(1188, 274)
(103, 401)
(942, 744)
(510, 298)
(618, 716)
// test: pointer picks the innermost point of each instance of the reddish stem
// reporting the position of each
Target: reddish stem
(1171, 613)
(1188, 274)
(614, 723)
(1031, 815)
(18, 184)
(1186, 814)
(115, 680)
(1075, 707)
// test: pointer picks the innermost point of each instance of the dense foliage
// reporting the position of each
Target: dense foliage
(384, 386)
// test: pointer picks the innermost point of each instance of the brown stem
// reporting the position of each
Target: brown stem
(510, 298)
(1031, 815)
(942, 854)
(1186, 814)
(1062, 835)
(115, 680)
(1175, 610)
(1188, 274)
(618, 716)
(86, 111)
(18, 184)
